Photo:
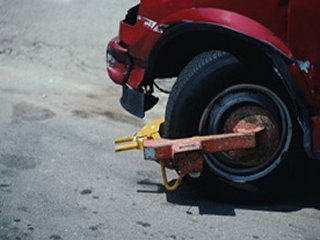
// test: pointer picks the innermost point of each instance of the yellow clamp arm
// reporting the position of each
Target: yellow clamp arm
(124, 139)
(150, 131)
(126, 147)
(165, 179)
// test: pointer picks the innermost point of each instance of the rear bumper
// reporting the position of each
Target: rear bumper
(121, 69)
(127, 57)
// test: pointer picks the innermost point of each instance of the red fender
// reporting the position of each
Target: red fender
(232, 20)
(142, 37)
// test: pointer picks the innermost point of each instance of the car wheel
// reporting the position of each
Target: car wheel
(212, 94)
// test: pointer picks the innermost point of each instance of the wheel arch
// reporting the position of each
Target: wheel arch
(172, 52)
(184, 40)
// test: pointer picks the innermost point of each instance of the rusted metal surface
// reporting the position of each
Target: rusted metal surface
(250, 138)
(189, 162)
(245, 118)
(187, 152)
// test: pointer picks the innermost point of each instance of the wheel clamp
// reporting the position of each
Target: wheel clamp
(186, 154)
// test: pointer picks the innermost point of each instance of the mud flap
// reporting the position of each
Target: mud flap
(136, 102)
(133, 101)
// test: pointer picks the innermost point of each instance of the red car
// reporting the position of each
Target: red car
(233, 59)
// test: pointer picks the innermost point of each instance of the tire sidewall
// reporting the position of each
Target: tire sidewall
(195, 88)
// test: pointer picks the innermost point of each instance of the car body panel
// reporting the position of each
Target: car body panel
(290, 27)
(304, 40)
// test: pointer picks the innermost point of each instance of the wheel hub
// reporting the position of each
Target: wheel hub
(245, 107)
(247, 117)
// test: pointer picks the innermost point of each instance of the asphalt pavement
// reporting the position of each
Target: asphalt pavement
(59, 176)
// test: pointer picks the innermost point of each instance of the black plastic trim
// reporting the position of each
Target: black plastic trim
(300, 107)
(133, 101)
(175, 30)
(132, 15)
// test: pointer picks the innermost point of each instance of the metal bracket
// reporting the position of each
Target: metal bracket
(186, 153)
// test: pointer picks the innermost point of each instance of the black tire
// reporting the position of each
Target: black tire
(201, 81)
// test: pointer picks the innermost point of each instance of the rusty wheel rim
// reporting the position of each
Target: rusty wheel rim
(248, 104)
